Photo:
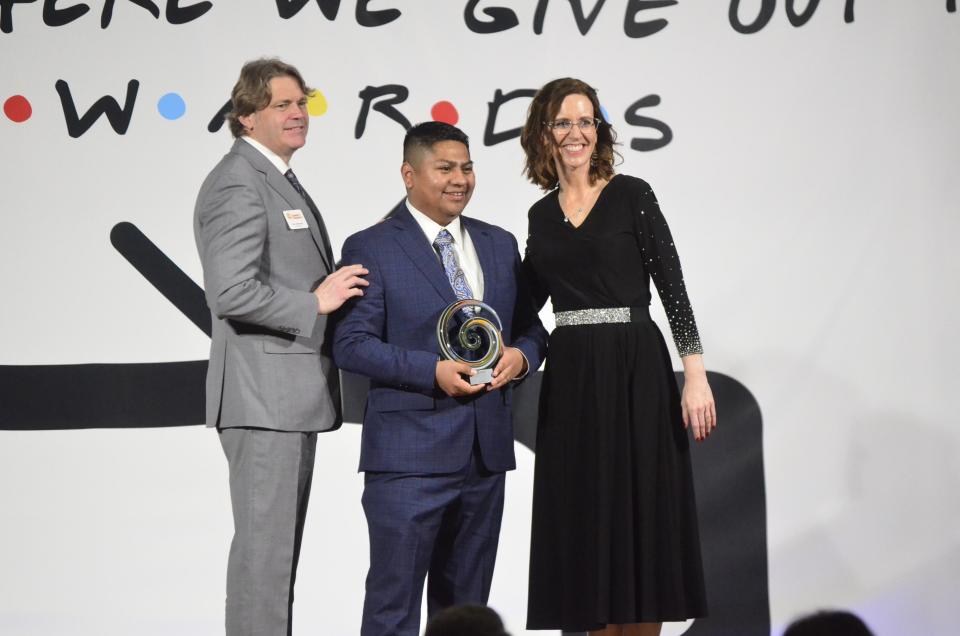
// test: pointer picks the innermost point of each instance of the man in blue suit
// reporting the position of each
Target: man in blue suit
(435, 448)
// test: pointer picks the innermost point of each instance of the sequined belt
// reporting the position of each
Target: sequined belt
(600, 316)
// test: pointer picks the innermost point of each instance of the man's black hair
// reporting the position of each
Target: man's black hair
(424, 136)
(466, 620)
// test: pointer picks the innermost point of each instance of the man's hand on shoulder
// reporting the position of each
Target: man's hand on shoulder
(340, 286)
(449, 377)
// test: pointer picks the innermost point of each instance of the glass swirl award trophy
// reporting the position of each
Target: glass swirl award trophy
(469, 331)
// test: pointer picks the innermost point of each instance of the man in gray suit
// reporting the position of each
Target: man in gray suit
(271, 385)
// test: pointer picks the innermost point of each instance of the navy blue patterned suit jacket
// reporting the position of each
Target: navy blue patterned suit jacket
(389, 335)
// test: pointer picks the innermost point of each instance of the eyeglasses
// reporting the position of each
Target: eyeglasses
(565, 125)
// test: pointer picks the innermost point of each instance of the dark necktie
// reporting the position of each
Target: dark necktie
(328, 251)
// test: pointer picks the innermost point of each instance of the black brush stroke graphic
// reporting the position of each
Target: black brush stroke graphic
(162, 273)
(73, 396)
(728, 470)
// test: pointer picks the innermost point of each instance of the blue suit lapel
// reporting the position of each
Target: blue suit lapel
(418, 249)
(486, 254)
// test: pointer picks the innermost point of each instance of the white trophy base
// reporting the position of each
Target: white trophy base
(483, 376)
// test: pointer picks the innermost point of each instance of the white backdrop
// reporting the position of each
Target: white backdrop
(810, 184)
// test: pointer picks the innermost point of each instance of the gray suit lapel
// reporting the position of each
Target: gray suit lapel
(283, 187)
(279, 183)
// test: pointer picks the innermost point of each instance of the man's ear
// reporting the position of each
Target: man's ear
(406, 172)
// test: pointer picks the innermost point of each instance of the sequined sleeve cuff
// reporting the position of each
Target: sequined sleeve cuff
(688, 343)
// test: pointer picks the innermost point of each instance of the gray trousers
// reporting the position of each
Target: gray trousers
(270, 474)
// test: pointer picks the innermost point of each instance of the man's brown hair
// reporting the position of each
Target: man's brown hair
(252, 90)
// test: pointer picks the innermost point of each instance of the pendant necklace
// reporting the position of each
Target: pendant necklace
(574, 216)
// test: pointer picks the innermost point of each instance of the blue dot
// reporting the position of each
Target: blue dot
(606, 115)
(172, 106)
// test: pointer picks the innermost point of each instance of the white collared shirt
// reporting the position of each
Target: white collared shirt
(271, 156)
(466, 254)
(462, 247)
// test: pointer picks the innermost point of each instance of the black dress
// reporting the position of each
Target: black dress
(614, 536)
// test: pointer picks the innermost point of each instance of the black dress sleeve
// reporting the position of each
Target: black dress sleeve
(534, 286)
(663, 265)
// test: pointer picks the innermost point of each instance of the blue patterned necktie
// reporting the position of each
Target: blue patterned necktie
(444, 245)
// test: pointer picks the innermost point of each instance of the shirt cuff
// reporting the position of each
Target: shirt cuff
(522, 375)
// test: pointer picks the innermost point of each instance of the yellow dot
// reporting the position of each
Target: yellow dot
(316, 103)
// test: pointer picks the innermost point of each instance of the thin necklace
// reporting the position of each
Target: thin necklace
(593, 197)
(578, 213)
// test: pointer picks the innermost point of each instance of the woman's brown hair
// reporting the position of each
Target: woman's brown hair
(539, 143)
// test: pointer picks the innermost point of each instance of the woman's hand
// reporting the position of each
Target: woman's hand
(699, 409)
(512, 363)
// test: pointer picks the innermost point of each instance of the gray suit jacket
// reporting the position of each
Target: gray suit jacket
(270, 365)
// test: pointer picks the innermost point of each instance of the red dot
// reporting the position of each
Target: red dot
(17, 109)
(445, 112)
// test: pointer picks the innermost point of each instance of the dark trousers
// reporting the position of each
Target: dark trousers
(442, 527)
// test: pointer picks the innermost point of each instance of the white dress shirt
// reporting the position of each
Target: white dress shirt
(462, 247)
(466, 254)
(271, 156)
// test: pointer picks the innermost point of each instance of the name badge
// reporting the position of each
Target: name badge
(295, 219)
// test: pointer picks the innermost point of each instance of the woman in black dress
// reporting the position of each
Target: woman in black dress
(615, 548)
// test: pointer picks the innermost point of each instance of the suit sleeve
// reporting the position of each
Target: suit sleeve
(232, 232)
(529, 336)
(359, 342)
